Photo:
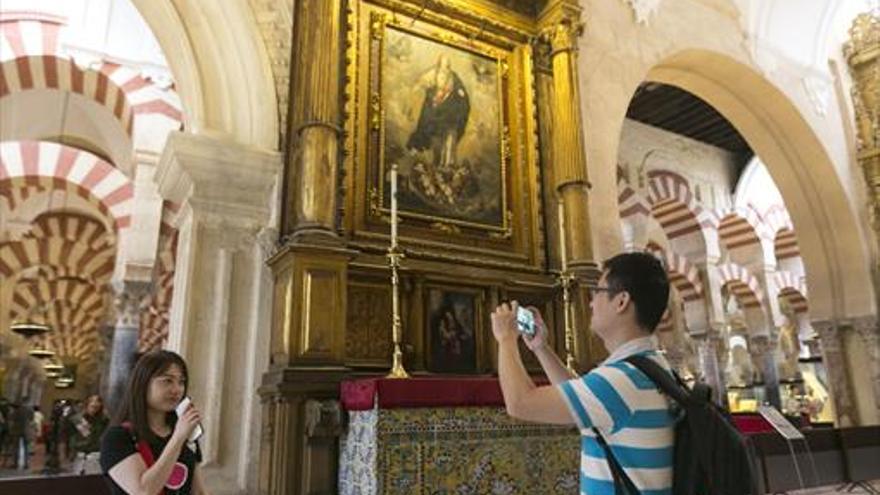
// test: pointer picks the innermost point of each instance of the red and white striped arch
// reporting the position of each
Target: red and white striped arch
(30, 59)
(673, 205)
(73, 227)
(742, 284)
(38, 165)
(75, 292)
(683, 275)
(785, 244)
(48, 72)
(792, 289)
(72, 257)
(741, 227)
(29, 33)
(71, 343)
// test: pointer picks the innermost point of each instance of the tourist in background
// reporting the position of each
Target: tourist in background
(87, 428)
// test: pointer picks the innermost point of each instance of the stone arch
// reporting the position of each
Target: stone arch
(799, 165)
(41, 165)
(229, 86)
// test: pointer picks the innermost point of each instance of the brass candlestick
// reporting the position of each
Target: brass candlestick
(567, 282)
(394, 256)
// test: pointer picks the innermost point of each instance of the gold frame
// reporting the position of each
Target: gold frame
(516, 242)
(380, 23)
(478, 298)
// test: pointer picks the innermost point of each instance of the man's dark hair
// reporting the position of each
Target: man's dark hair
(644, 278)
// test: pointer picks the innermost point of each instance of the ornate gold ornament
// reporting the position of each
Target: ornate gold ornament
(862, 52)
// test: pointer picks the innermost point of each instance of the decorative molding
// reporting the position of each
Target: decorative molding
(643, 9)
(275, 23)
(818, 90)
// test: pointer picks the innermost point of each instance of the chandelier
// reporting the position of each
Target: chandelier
(31, 326)
(41, 353)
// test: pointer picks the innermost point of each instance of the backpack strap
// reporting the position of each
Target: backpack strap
(668, 382)
(143, 448)
(617, 472)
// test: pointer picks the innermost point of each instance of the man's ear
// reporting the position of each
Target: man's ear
(621, 301)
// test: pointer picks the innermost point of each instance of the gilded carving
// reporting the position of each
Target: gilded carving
(863, 55)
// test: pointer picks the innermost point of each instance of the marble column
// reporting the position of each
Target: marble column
(708, 345)
(129, 298)
(762, 349)
(834, 359)
(867, 329)
(220, 314)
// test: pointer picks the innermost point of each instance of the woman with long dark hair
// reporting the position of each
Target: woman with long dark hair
(148, 448)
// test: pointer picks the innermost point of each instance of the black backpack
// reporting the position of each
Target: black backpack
(711, 456)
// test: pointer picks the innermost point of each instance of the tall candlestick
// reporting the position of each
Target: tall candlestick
(567, 281)
(394, 257)
(393, 205)
(562, 254)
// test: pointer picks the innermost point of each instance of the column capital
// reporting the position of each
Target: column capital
(219, 178)
(866, 325)
(130, 299)
(560, 24)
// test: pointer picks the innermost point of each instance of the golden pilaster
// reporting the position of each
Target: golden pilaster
(863, 55)
(561, 28)
(315, 111)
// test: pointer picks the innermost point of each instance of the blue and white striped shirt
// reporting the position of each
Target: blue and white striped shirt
(635, 419)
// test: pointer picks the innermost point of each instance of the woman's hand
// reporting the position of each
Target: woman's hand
(186, 423)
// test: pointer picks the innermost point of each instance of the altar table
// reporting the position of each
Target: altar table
(449, 435)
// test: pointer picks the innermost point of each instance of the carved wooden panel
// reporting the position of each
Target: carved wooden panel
(368, 325)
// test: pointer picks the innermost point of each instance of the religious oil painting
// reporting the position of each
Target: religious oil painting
(452, 329)
(442, 125)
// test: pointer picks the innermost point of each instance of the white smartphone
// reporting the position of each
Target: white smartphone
(525, 321)
(181, 408)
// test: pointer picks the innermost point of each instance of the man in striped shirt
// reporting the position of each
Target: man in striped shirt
(615, 398)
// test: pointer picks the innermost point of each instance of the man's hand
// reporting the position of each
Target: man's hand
(539, 340)
(504, 322)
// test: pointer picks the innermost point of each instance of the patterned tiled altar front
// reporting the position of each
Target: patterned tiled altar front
(462, 450)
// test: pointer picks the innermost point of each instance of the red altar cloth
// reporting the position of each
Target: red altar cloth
(751, 423)
(361, 395)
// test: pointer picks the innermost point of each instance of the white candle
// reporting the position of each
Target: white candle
(562, 254)
(393, 205)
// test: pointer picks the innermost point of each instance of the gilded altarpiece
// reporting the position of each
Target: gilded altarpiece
(447, 93)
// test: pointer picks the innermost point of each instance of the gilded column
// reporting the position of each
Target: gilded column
(315, 130)
(561, 29)
(835, 365)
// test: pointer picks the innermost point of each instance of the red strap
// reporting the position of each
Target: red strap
(143, 449)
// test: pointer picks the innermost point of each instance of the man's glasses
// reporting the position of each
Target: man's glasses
(592, 292)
